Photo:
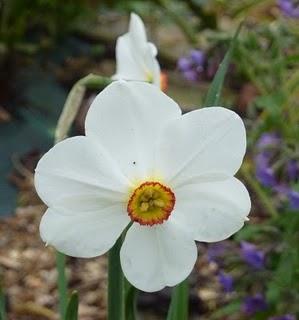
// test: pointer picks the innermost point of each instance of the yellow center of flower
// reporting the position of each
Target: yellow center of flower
(151, 203)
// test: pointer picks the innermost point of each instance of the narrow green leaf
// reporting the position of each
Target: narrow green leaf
(130, 301)
(115, 284)
(62, 283)
(2, 303)
(72, 307)
(226, 310)
(179, 306)
(214, 92)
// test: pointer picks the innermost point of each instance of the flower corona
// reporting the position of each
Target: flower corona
(151, 203)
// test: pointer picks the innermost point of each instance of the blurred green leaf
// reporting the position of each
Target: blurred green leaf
(272, 103)
(116, 303)
(179, 306)
(72, 307)
(2, 303)
(130, 300)
(228, 309)
(214, 92)
(249, 232)
(62, 283)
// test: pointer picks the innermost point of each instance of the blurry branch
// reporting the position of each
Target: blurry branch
(74, 101)
(34, 310)
(20, 168)
(246, 172)
(245, 8)
(178, 19)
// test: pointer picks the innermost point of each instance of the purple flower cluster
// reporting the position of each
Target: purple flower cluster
(192, 65)
(273, 171)
(289, 7)
(284, 317)
(252, 256)
(254, 304)
(226, 281)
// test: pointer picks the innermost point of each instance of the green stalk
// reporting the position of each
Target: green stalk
(179, 306)
(116, 306)
(130, 301)
(2, 304)
(62, 283)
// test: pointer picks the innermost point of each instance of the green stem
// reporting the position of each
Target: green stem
(179, 306)
(116, 305)
(2, 303)
(62, 283)
(130, 300)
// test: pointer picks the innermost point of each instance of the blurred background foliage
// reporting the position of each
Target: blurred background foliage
(47, 45)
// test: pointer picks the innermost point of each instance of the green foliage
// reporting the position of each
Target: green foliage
(179, 306)
(116, 307)
(72, 307)
(130, 300)
(62, 283)
(2, 303)
(51, 16)
(214, 93)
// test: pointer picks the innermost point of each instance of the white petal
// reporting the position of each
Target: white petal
(137, 29)
(153, 48)
(206, 142)
(77, 174)
(135, 57)
(84, 236)
(127, 67)
(127, 118)
(212, 211)
(158, 256)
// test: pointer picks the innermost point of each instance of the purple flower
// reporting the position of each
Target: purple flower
(266, 176)
(254, 304)
(216, 250)
(198, 57)
(284, 317)
(252, 256)
(190, 75)
(226, 281)
(267, 144)
(289, 7)
(192, 65)
(282, 189)
(294, 199)
(268, 139)
(293, 170)
(184, 64)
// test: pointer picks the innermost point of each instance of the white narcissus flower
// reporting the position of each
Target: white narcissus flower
(135, 56)
(142, 161)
